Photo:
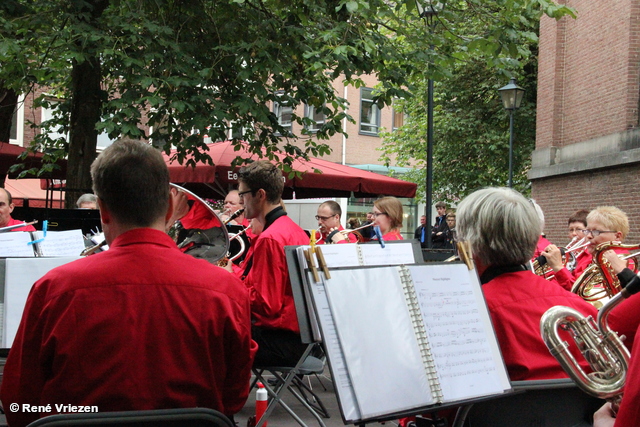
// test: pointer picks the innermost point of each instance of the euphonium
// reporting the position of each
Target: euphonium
(598, 282)
(229, 257)
(601, 347)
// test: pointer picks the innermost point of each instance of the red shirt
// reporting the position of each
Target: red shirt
(25, 228)
(272, 304)
(629, 412)
(516, 303)
(140, 326)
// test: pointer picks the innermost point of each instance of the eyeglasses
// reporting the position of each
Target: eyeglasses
(377, 214)
(324, 218)
(596, 233)
(242, 193)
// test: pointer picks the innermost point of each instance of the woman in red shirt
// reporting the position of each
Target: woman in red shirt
(388, 216)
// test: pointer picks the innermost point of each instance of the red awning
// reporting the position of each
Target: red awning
(335, 180)
(22, 189)
(9, 156)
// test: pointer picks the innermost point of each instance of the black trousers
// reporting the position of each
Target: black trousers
(277, 347)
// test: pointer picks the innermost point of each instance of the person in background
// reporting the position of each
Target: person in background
(329, 227)
(577, 224)
(353, 223)
(127, 329)
(421, 232)
(87, 201)
(388, 216)
(450, 234)
(231, 205)
(543, 243)
(503, 229)
(438, 238)
(6, 208)
(367, 232)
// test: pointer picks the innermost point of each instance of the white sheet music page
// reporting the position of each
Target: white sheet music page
(62, 243)
(16, 244)
(378, 341)
(397, 253)
(463, 343)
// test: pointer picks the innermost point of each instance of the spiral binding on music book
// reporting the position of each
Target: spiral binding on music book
(421, 333)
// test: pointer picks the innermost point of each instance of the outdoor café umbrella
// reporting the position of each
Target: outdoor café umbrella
(335, 180)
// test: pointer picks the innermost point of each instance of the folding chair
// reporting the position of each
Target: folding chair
(550, 403)
(193, 417)
(290, 378)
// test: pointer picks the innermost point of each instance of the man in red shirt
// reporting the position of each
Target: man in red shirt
(6, 208)
(140, 326)
(328, 217)
(275, 323)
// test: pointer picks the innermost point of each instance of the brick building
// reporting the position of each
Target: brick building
(587, 132)
(359, 148)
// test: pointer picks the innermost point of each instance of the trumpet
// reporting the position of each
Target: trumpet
(601, 347)
(356, 231)
(539, 264)
(598, 283)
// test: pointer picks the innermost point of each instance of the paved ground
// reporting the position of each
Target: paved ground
(323, 387)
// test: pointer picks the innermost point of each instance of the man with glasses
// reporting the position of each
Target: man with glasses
(604, 224)
(328, 217)
(266, 276)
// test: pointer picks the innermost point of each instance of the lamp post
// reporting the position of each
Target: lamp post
(428, 10)
(511, 98)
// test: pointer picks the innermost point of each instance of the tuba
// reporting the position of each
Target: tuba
(598, 283)
(194, 226)
(601, 347)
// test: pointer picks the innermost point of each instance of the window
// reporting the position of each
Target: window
(284, 114)
(369, 113)
(236, 131)
(48, 113)
(318, 118)
(398, 119)
(17, 123)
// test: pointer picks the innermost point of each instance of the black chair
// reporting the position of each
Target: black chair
(291, 378)
(549, 403)
(191, 417)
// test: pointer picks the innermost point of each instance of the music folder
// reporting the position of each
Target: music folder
(403, 338)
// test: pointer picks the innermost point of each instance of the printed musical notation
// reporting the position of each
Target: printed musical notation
(458, 329)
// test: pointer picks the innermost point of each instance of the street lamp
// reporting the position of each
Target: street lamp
(511, 98)
(428, 10)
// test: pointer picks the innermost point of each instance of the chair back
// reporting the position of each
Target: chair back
(192, 417)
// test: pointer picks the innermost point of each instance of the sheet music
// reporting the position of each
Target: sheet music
(20, 275)
(401, 253)
(16, 244)
(341, 381)
(468, 360)
(378, 342)
(61, 243)
(340, 255)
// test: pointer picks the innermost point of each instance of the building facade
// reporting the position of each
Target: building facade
(587, 132)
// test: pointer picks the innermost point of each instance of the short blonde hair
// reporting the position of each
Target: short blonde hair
(393, 208)
(612, 218)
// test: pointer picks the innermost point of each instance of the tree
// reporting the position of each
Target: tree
(186, 68)
(471, 128)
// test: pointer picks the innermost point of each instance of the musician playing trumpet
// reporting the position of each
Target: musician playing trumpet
(604, 224)
(329, 227)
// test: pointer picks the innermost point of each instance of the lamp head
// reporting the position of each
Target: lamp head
(511, 95)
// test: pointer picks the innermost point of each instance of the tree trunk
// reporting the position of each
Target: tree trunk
(86, 107)
(8, 102)
(83, 138)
